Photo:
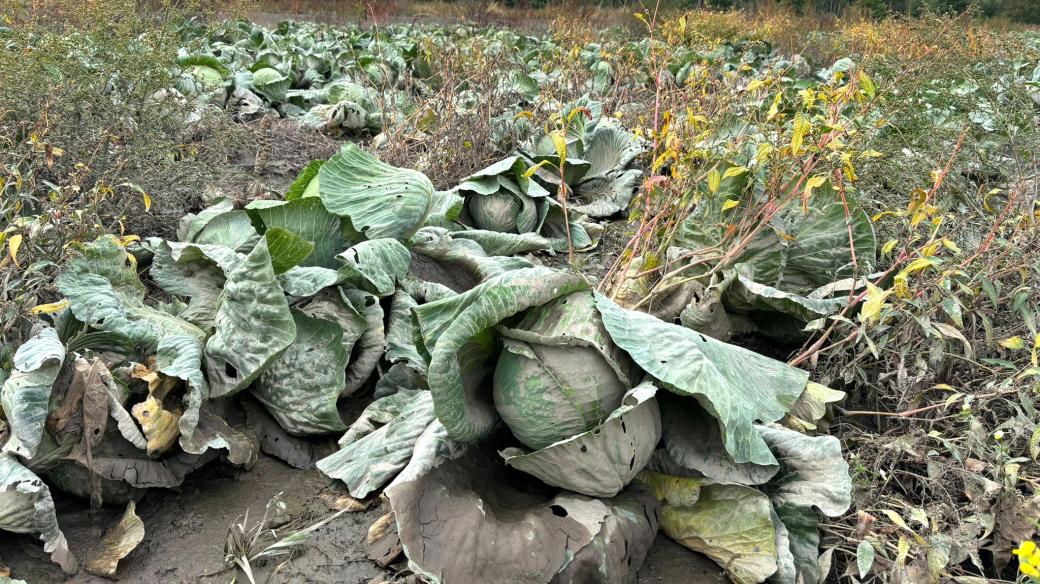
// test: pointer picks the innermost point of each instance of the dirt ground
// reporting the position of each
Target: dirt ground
(185, 533)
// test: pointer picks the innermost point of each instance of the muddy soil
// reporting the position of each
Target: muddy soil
(186, 531)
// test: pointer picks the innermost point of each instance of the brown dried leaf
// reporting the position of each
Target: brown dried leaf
(159, 425)
(1016, 518)
(118, 541)
(383, 542)
(338, 502)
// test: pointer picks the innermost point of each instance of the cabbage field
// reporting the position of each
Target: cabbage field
(548, 308)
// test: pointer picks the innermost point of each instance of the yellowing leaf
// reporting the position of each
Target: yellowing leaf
(560, 142)
(734, 171)
(918, 265)
(730, 204)
(867, 85)
(534, 168)
(1014, 343)
(12, 245)
(159, 425)
(951, 246)
(886, 249)
(755, 85)
(775, 108)
(762, 155)
(812, 184)
(871, 309)
(899, 285)
(50, 308)
(714, 180)
(147, 201)
(1036, 347)
(802, 125)
(895, 518)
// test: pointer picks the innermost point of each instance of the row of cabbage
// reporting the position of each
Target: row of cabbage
(523, 412)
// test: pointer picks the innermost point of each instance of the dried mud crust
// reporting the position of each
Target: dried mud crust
(185, 534)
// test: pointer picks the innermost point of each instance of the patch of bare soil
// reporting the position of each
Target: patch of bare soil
(185, 531)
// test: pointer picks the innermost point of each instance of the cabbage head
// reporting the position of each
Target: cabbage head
(501, 198)
(558, 374)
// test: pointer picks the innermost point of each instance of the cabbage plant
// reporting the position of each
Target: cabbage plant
(514, 406)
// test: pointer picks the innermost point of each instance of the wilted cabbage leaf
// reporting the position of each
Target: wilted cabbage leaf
(25, 396)
(105, 293)
(736, 386)
(301, 386)
(26, 506)
(252, 325)
(512, 535)
(368, 461)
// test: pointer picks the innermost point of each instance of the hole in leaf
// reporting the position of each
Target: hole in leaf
(230, 370)
(558, 510)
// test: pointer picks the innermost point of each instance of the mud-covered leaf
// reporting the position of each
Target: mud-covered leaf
(694, 442)
(25, 396)
(26, 506)
(301, 386)
(812, 474)
(116, 544)
(864, 558)
(370, 344)
(375, 458)
(511, 535)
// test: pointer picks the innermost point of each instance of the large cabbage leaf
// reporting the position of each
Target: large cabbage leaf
(736, 386)
(26, 506)
(301, 386)
(26, 394)
(308, 219)
(380, 200)
(253, 325)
